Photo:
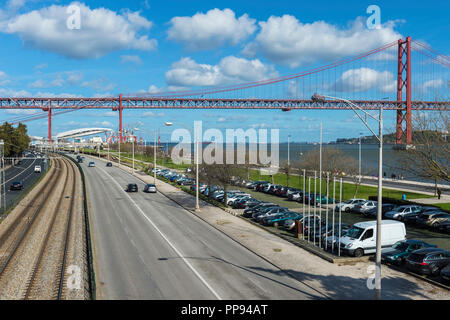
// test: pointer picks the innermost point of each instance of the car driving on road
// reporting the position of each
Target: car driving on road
(16, 185)
(37, 169)
(150, 188)
(132, 187)
(109, 164)
(91, 164)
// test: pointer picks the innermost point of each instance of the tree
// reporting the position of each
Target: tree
(427, 158)
(16, 139)
(334, 161)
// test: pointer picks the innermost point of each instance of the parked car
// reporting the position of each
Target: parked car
(280, 217)
(296, 196)
(432, 219)
(399, 212)
(249, 212)
(245, 203)
(385, 207)
(348, 205)
(288, 224)
(132, 187)
(428, 261)
(445, 273)
(37, 169)
(16, 185)
(365, 206)
(332, 241)
(150, 188)
(269, 213)
(398, 253)
(360, 238)
(327, 231)
(311, 225)
(444, 227)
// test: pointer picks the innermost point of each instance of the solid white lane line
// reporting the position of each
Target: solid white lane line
(165, 238)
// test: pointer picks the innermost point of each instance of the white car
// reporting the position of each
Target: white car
(348, 205)
(37, 169)
(235, 197)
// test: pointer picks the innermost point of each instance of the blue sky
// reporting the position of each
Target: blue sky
(144, 47)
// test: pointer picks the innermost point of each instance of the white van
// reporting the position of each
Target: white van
(361, 237)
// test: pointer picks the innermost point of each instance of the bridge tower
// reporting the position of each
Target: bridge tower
(404, 81)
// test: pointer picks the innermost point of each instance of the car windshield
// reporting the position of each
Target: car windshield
(355, 232)
(348, 201)
(402, 246)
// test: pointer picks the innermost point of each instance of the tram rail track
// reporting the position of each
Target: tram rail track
(34, 256)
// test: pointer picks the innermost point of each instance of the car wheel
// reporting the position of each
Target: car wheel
(400, 218)
(435, 225)
(275, 224)
(347, 209)
(359, 252)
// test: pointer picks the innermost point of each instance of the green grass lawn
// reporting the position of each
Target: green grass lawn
(348, 189)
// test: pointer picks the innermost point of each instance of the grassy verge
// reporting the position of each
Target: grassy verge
(348, 189)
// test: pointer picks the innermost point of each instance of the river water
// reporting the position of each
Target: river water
(369, 157)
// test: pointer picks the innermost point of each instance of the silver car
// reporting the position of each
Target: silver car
(365, 206)
(399, 212)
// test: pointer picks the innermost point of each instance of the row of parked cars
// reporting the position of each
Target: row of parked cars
(180, 179)
(420, 216)
(290, 193)
(426, 216)
(357, 240)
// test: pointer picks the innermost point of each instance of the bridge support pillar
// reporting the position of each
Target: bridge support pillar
(120, 118)
(49, 111)
(404, 48)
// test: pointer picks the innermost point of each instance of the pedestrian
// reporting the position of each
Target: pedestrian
(384, 174)
(439, 193)
(404, 197)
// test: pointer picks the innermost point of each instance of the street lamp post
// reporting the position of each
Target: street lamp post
(197, 186)
(359, 166)
(288, 160)
(322, 98)
(154, 161)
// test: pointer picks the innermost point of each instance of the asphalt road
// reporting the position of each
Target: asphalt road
(23, 173)
(148, 247)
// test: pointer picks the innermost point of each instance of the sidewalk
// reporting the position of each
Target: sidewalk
(333, 281)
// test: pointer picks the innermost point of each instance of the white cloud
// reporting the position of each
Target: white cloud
(102, 31)
(211, 30)
(40, 83)
(363, 79)
(433, 84)
(186, 72)
(287, 41)
(13, 93)
(74, 78)
(106, 124)
(152, 114)
(22, 111)
(130, 58)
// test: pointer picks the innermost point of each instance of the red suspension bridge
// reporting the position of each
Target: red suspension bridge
(363, 79)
